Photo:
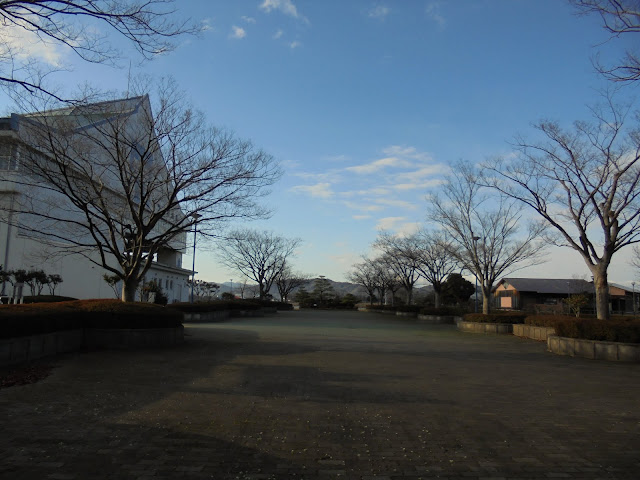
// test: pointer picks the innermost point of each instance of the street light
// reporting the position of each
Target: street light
(231, 288)
(195, 217)
(633, 284)
(475, 274)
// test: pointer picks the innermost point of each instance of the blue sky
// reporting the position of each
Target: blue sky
(366, 103)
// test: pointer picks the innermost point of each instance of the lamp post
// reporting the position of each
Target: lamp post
(633, 285)
(231, 288)
(195, 217)
(475, 274)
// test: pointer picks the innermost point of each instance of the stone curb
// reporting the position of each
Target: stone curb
(481, 327)
(533, 332)
(595, 350)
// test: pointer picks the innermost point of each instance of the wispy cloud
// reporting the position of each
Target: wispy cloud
(22, 44)
(319, 190)
(399, 225)
(285, 6)
(295, 44)
(378, 165)
(278, 34)
(433, 12)
(379, 12)
(392, 202)
(361, 217)
(237, 32)
(248, 19)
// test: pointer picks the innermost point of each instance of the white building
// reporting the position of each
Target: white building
(21, 248)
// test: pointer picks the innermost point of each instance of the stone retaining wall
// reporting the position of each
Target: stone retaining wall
(481, 327)
(15, 351)
(577, 347)
(206, 316)
(532, 331)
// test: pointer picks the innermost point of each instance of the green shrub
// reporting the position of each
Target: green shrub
(407, 308)
(38, 318)
(496, 317)
(617, 329)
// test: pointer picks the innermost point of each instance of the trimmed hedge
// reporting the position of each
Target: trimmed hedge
(498, 317)
(617, 329)
(219, 305)
(38, 318)
(47, 299)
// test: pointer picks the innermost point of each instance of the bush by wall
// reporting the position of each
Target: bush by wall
(498, 317)
(216, 306)
(47, 299)
(442, 311)
(37, 318)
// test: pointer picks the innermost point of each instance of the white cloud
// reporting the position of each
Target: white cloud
(391, 202)
(379, 11)
(319, 190)
(295, 44)
(248, 19)
(388, 223)
(419, 174)
(364, 207)
(205, 25)
(237, 32)
(361, 217)
(433, 12)
(278, 34)
(407, 152)
(285, 6)
(23, 45)
(377, 165)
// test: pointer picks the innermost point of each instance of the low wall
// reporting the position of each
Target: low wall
(407, 314)
(532, 331)
(439, 319)
(15, 351)
(596, 350)
(481, 327)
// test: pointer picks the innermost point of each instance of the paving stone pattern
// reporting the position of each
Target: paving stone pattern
(322, 395)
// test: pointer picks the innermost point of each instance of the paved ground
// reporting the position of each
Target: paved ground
(321, 395)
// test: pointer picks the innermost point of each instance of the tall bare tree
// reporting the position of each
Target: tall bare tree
(150, 26)
(585, 183)
(260, 256)
(484, 230)
(365, 274)
(401, 255)
(619, 17)
(121, 184)
(288, 280)
(435, 260)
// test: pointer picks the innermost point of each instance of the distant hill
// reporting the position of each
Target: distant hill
(341, 288)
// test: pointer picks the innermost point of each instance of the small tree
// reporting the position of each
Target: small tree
(287, 281)
(323, 290)
(576, 302)
(36, 279)
(457, 289)
(365, 274)
(53, 281)
(113, 282)
(401, 256)
(260, 256)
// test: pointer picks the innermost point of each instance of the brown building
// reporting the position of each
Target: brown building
(546, 294)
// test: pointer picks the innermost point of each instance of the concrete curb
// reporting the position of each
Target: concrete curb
(481, 327)
(532, 331)
(595, 350)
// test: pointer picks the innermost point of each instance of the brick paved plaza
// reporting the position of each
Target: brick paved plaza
(321, 395)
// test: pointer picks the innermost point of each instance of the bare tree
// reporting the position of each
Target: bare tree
(483, 230)
(121, 186)
(366, 275)
(258, 255)
(619, 17)
(288, 280)
(435, 260)
(203, 290)
(149, 25)
(584, 183)
(401, 255)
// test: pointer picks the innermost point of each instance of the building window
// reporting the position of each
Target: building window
(8, 156)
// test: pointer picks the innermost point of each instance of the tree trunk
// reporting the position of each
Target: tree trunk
(601, 286)
(486, 301)
(409, 295)
(436, 294)
(129, 288)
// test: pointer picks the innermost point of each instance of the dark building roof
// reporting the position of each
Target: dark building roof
(549, 285)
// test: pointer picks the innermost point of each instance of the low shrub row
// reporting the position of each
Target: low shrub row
(38, 318)
(442, 311)
(220, 305)
(497, 317)
(617, 329)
